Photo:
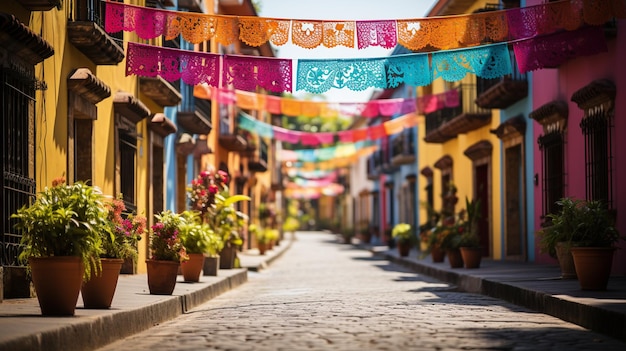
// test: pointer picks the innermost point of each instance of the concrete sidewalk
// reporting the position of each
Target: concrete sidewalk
(538, 287)
(133, 309)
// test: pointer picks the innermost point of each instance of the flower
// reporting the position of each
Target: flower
(164, 241)
(201, 191)
(125, 231)
(209, 195)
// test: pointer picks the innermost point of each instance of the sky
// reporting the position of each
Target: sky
(340, 10)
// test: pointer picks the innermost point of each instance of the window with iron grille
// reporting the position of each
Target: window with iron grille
(597, 100)
(158, 179)
(128, 151)
(17, 91)
(597, 129)
(94, 11)
(552, 147)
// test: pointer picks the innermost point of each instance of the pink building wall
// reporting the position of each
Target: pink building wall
(559, 84)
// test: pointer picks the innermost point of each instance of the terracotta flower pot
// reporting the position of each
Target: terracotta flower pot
(437, 254)
(192, 268)
(472, 256)
(454, 258)
(162, 276)
(57, 283)
(404, 248)
(98, 291)
(593, 266)
(262, 248)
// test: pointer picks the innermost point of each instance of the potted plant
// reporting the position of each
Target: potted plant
(166, 253)
(449, 232)
(61, 242)
(469, 242)
(209, 194)
(119, 243)
(262, 235)
(593, 244)
(404, 238)
(555, 238)
(195, 236)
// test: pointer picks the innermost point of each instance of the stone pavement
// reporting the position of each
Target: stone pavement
(538, 287)
(133, 309)
(322, 295)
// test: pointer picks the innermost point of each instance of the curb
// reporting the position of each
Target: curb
(608, 322)
(264, 261)
(134, 310)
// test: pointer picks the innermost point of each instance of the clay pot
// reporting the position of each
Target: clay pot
(437, 254)
(566, 261)
(192, 268)
(471, 256)
(593, 266)
(454, 258)
(162, 276)
(57, 283)
(98, 291)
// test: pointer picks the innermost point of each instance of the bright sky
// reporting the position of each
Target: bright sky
(340, 10)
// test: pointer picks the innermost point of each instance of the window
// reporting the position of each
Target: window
(128, 151)
(17, 146)
(552, 147)
(596, 128)
(597, 101)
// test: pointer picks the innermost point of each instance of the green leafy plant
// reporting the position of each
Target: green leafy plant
(402, 232)
(560, 226)
(64, 220)
(291, 224)
(579, 223)
(469, 236)
(595, 226)
(263, 236)
(165, 243)
(197, 237)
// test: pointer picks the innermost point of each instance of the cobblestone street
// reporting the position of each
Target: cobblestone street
(322, 295)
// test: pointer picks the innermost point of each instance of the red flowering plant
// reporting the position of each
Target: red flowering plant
(165, 244)
(125, 231)
(202, 190)
(209, 194)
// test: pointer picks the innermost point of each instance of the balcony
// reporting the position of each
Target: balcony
(446, 123)
(230, 137)
(162, 125)
(85, 31)
(258, 162)
(195, 118)
(130, 107)
(20, 40)
(40, 5)
(373, 166)
(403, 148)
(502, 92)
(160, 91)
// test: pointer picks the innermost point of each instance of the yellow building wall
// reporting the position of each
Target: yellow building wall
(51, 142)
(462, 177)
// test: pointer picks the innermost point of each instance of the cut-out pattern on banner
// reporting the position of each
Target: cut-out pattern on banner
(552, 50)
(315, 76)
(303, 108)
(242, 72)
(443, 33)
(394, 126)
(325, 153)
